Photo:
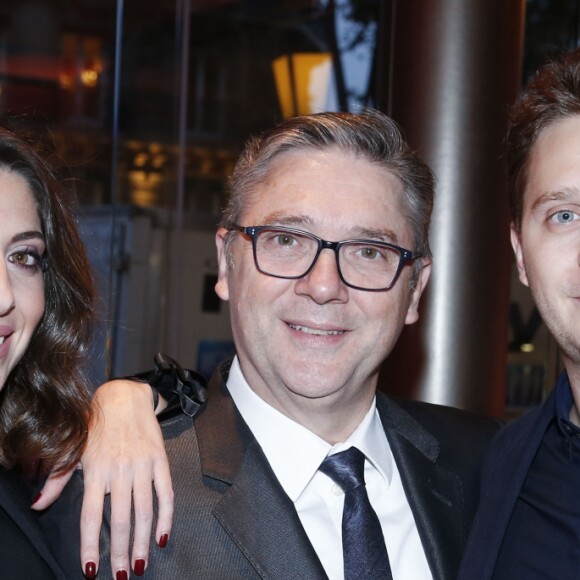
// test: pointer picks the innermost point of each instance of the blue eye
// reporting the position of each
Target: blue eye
(564, 216)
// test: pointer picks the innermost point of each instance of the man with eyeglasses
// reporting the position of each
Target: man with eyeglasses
(297, 468)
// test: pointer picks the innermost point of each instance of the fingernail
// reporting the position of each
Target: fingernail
(90, 570)
(121, 575)
(139, 567)
(163, 540)
(39, 495)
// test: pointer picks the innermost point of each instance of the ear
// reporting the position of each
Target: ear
(222, 286)
(517, 246)
(420, 284)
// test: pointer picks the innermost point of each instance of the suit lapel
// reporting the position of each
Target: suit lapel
(505, 478)
(14, 499)
(255, 511)
(434, 493)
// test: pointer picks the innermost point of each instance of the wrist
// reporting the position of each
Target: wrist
(173, 387)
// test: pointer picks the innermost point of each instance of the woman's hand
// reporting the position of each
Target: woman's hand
(125, 455)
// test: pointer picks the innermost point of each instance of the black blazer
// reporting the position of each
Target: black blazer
(506, 467)
(24, 552)
(233, 519)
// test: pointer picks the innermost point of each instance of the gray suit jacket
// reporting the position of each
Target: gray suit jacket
(233, 519)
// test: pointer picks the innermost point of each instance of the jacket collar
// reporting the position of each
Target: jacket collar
(434, 492)
(255, 512)
(272, 538)
(503, 481)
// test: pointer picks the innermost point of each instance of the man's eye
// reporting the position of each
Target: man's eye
(285, 240)
(369, 253)
(564, 216)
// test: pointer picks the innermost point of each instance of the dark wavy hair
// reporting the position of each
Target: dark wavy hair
(551, 95)
(44, 405)
(369, 135)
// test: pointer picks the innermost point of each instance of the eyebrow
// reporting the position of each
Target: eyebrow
(302, 221)
(564, 194)
(28, 235)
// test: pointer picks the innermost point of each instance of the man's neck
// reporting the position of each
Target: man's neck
(332, 418)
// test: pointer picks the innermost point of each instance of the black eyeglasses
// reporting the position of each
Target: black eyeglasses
(284, 252)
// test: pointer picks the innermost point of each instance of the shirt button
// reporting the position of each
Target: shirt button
(336, 489)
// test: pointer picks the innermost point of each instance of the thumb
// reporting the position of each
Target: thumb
(52, 488)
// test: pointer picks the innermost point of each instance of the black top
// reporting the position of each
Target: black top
(19, 556)
(543, 536)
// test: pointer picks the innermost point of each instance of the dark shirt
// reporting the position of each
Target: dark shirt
(19, 558)
(543, 536)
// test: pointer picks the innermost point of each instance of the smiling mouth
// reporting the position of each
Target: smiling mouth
(315, 331)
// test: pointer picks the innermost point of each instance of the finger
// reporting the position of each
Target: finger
(165, 502)
(121, 489)
(91, 518)
(143, 516)
(52, 488)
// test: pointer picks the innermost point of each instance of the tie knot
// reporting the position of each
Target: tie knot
(346, 468)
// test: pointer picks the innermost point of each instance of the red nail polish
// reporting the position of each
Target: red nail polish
(38, 496)
(90, 570)
(121, 575)
(163, 540)
(139, 567)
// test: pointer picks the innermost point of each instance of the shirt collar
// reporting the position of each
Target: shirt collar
(563, 405)
(294, 452)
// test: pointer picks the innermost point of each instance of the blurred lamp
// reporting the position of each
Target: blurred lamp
(303, 82)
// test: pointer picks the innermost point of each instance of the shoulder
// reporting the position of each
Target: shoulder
(528, 420)
(521, 437)
(448, 423)
(450, 437)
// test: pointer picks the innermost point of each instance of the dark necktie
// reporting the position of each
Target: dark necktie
(363, 545)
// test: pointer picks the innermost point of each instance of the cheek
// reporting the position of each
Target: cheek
(387, 316)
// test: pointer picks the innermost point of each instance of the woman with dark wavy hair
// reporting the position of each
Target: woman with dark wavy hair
(46, 313)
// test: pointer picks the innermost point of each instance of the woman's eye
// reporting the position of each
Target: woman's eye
(564, 216)
(24, 259)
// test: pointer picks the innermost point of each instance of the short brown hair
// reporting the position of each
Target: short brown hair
(551, 95)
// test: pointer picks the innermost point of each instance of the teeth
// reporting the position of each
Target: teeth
(2, 339)
(315, 331)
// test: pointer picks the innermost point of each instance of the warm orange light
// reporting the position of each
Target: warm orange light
(89, 78)
(302, 82)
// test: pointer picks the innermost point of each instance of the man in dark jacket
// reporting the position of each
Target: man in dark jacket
(323, 256)
(528, 523)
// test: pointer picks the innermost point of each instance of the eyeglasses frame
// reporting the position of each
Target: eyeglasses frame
(405, 256)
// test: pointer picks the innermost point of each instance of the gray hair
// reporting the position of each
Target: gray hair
(369, 135)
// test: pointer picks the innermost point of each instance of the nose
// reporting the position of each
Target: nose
(6, 290)
(323, 284)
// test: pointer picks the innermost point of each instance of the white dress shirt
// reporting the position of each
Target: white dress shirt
(295, 454)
